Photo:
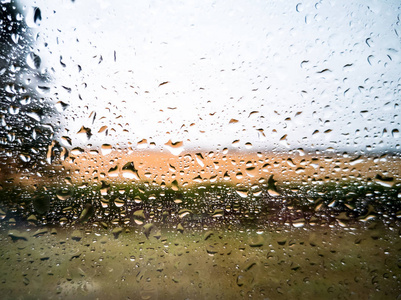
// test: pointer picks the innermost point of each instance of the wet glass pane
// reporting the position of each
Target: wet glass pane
(200, 149)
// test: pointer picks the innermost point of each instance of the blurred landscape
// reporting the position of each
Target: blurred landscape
(95, 203)
(196, 167)
(110, 187)
(202, 225)
(357, 262)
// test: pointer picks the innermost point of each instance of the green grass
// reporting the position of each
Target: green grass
(204, 242)
(283, 263)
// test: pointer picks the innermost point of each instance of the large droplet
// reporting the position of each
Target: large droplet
(129, 171)
(175, 148)
(37, 15)
(139, 217)
(41, 203)
(86, 213)
(33, 60)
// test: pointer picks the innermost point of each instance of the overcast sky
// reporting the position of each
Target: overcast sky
(273, 74)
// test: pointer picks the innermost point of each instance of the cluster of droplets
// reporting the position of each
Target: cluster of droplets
(303, 191)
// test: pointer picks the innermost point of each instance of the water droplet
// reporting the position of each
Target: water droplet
(147, 229)
(174, 185)
(37, 15)
(257, 241)
(218, 213)
(86, 213)
(76, 235)
(106, 149)
(175, 148)
(2, 214)
(248, 145)
(17, 235)
(63, 194)
(139, 217)
(116, 232)
(242, 193)
(184, 212)
(142, 144)
(180, 228)
(252, 171)
(77, 151)
(33, 60)
(385, 181)
(240, 280)
(199, 159)
(41, 203)
(272, 189)
(85, 133)
(15, 38)
(129, 171)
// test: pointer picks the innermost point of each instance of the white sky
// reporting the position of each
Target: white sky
(257, 62)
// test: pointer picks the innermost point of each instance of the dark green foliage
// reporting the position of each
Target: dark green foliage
(26, 129)
(213, 205)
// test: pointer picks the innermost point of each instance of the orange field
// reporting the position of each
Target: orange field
(189, 168)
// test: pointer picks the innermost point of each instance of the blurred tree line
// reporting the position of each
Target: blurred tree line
(26, 108)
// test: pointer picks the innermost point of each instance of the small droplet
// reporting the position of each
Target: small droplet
(218, 213)
(184, 212)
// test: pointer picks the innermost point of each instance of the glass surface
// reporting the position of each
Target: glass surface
(200, 149)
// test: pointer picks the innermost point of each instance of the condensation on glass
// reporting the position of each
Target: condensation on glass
(200, 149)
